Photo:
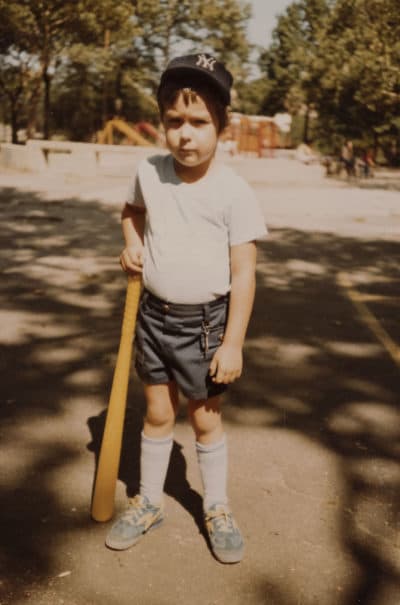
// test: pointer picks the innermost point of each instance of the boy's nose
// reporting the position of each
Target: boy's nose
(185, 131)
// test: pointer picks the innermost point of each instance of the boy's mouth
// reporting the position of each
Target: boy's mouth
(186, 153)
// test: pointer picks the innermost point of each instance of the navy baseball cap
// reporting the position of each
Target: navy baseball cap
(203, 66)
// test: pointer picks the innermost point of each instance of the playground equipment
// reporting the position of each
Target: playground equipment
(252, 134)
(258, 135)
(150, 131)
(131, 133)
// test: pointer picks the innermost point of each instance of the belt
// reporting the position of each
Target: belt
(182, 310)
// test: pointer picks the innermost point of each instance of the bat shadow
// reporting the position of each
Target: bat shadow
(176, 484)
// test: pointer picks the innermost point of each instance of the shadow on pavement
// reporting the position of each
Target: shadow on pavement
(326, 377)
(312, 366)
(60, 286)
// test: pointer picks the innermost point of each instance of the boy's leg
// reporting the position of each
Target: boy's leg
(225, 538)
(206, 420)
(157, 439)
(145, 511)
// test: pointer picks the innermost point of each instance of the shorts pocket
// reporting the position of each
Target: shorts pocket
(212, 334)
(216, 337)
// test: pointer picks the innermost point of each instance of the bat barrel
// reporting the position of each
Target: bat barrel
(107, 469)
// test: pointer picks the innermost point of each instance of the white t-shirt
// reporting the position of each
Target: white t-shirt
(190, 227)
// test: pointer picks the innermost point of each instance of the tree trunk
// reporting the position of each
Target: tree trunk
(46, 103)
(104, 112)
(14, 122)
(306, 125)
(33, 101)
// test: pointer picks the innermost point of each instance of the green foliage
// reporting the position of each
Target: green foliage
(97, 57)
(333, 64)
(40, 29)
(250, 95)
(342, 60)
(18, 81)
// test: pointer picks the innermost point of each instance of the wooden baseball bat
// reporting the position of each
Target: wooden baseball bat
(107, 469)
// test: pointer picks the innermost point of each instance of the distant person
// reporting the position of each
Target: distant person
(367, 163)
(190, 226)
(347, 158)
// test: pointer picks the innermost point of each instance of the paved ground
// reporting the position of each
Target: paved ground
(313, 424)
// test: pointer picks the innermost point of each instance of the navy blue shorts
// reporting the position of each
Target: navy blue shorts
(176, 342)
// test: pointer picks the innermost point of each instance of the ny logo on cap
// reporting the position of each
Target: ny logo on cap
(206, 62)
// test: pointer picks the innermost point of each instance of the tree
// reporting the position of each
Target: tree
(106, 46)
(96, 57)
(290, 62)
(340, 59)
(170, 27)
(225, 23)
(251, 95)
(360, 85)
(41, 29)
(48, 29)
(19, 83)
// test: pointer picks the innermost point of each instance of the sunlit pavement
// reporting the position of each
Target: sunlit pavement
(313, 425)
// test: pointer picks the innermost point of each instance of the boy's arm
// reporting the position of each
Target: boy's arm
(227, 362)
(133, 220)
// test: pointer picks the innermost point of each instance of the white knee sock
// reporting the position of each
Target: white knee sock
(154, 460)
(213, 463)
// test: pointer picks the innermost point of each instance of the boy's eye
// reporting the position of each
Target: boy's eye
(173, 121)
(200, 121)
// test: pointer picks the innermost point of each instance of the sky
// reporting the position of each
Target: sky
(264, 19)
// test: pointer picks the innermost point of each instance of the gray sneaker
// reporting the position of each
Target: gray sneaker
(225, 538)
(139, 518)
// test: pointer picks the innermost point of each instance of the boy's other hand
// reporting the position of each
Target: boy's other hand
(131, 259)
(226, 365)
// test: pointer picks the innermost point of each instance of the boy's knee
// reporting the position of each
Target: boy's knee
(205, 418)
(159, 417)
(162, 404)
(160, 414)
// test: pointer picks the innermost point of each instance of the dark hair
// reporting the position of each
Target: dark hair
(190, 87)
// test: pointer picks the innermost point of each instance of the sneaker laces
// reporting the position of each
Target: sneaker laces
(137, 506)
(222, 520)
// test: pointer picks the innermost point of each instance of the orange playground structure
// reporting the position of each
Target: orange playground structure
(252, 135)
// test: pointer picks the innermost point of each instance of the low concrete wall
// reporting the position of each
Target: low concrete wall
(14, 156)
(73, 158)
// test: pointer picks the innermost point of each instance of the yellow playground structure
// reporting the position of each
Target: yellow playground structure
(142, 133)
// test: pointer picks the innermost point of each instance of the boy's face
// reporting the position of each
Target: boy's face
(191, 130)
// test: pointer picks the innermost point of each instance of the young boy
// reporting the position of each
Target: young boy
(190, 226)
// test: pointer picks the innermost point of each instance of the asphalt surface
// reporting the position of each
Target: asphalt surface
(313, 424)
